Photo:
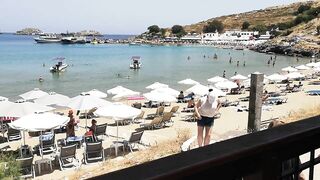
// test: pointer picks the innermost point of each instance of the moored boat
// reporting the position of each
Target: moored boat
(73, 40)
(135, 64)
(60, 66)
(48, 38)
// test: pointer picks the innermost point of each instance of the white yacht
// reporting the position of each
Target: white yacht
(60, 66)
(48, 38)
(135, 64)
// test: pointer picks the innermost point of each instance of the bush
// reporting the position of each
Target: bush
(302, 18)
(284, 26)
(303, 8)
(318, 30)
(313, 12)
(9, 167)
(261, 28)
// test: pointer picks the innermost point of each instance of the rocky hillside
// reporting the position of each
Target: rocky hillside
(268, 16)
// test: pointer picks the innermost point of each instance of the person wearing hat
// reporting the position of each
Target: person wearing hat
(71, 124)
(206, 108)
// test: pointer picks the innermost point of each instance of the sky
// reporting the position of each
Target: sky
(117, 16)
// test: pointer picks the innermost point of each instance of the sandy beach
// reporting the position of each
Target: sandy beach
(230, 121)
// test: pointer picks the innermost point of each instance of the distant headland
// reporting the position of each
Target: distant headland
(36, 31)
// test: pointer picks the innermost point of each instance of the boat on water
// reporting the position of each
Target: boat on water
(48, 38)
(239, 48)
(135, 43)
(59, 66)
(73, 40)
(94, 41)
(135, 64)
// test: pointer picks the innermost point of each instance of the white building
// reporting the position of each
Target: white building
(233, 37)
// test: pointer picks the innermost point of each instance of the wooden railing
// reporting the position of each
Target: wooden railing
(259, 155)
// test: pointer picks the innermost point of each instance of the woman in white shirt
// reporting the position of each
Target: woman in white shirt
(205, 109)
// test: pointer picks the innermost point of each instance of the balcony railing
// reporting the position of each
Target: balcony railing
(261, 155)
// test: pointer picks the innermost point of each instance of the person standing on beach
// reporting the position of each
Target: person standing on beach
(206, 108)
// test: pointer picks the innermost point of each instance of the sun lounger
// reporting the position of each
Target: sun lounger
(174, 110)
(192, 117)
(67, 157)
(155, 123)
(89, 115)
(275, 100)
(187, 110)
(139, 117)
(159, 112)
(313, 92)
(166, 118)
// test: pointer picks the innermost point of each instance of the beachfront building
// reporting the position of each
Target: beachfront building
(229, 38)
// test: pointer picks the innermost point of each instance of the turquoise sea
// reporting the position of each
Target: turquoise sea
(97, 66)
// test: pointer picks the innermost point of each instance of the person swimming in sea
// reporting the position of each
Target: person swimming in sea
(237, 63)
(40, 79)
(230, 60)
(188, 57)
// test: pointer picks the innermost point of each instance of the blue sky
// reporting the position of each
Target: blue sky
(117, 16)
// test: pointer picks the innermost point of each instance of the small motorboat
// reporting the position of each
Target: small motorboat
(135, 62)
(60, 66)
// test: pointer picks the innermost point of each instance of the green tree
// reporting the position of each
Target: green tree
(303, 8)
(245, 25)
(261, 28)
(213, 26)
(178, 30)
(154, 29)
(302, 18)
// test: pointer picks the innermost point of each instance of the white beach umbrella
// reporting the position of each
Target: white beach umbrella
(22, 108)
(302, 67)
(317, 64)
(188, 82)
(84, 102)
(53, 99)
(217, 92)
(316, 69)
(198, 89)
(97, 93)
(289, 69)
(239, 77)
(217, 79)
(39, 122)
(3, 98)
(125, 94)
(118, 111)
(33, 94)
(276, 77)
(159, 97)
(167, 90)
(247, 82)
(118, 90)
(294, 75)
(157, 85)
(312, 64)
(226, 85)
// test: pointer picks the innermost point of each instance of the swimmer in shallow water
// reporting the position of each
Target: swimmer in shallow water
(41, 79)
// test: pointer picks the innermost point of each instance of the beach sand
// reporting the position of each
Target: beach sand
(230, 121)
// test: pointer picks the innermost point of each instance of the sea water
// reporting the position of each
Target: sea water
(98, 66)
